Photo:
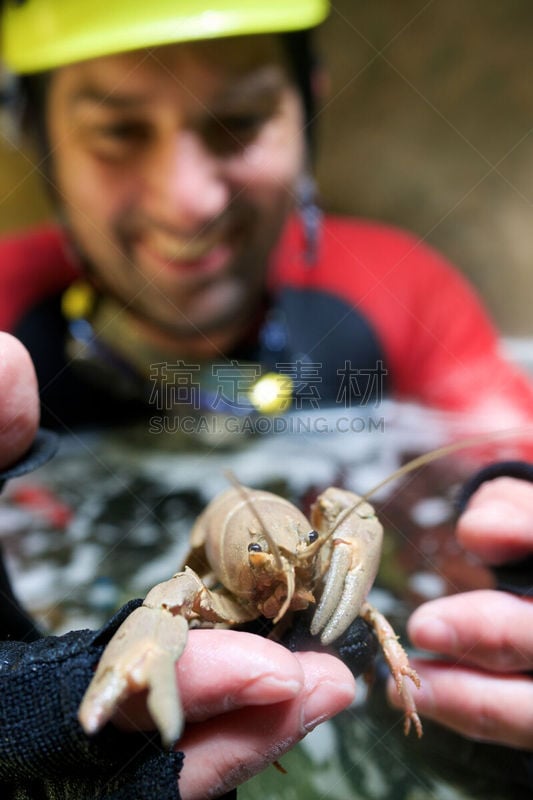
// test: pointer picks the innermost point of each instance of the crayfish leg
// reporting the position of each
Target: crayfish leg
(398, 662)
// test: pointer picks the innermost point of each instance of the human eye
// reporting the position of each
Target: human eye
(244, 126)
(230, 133)
(235, 125)
(117, 140)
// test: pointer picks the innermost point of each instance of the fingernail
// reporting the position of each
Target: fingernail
(274, 688)
(432, 632)
(324, 702)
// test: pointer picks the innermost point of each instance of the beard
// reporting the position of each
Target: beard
(198, 305)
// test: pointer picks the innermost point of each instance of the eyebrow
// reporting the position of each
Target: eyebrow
(106, 99)
(265, 82)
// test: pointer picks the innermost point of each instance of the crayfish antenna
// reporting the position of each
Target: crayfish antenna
(448, 449)
(290, 594)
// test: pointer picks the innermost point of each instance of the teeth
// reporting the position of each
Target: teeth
(174, 250)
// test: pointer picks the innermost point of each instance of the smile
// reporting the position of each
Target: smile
(175, 249)
(204, 255)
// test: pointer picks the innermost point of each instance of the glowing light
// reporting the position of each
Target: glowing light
(272, 394)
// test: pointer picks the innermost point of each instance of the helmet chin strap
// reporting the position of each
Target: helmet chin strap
(310, 215)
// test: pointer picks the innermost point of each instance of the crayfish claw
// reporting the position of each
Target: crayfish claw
(356, 536)
(140, 656)
(100, 700)
(163, 700)
(333, 593)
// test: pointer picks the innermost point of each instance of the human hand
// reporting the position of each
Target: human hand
(482, 690)
(19, 400)
(247, 701)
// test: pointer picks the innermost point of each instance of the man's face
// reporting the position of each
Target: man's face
(175, 169)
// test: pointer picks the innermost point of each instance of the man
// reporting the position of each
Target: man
(174, 148)
(174, 144)
(213, 279)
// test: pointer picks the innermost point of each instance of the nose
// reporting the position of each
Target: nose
(186, 186)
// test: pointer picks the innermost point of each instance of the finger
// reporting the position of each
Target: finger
(498, 522)
(221, 670)
(222, 753)
(490, 629)
(19, 407)
(483, 706)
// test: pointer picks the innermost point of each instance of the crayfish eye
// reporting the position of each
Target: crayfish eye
(255, 547)
(312, 537)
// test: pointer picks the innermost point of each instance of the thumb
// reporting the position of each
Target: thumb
(19, 400)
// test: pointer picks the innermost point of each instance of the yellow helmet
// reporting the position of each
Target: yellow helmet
(38, 35)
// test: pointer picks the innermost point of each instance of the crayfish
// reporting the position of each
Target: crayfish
(252, 554)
